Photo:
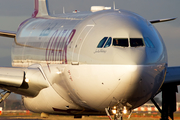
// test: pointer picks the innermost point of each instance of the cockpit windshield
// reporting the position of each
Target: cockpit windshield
(108, 43)
(136, 42)
(105, 42)
(123, 42)
(101, 43)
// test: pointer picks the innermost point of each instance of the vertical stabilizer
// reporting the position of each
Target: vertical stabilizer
(40, 8)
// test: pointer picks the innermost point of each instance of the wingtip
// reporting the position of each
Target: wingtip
(162, 20)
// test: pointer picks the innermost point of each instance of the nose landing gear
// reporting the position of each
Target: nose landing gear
(117, 111)
(118, 116)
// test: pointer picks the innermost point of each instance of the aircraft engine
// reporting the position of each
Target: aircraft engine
(26, 82)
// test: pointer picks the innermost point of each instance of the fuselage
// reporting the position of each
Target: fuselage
(102, 58)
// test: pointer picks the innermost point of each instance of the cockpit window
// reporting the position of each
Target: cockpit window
(108, 43)
(123, 42)
(148, 42)
(136, 42)
(101, 43)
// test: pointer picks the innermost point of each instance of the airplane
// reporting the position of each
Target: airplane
(103, 62)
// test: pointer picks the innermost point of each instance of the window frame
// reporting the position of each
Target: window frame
(105, 42)
(139, 45)
(149, 42)
(120, 46)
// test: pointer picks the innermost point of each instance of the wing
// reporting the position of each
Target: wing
(173, 76)
(9, 34)
(162, 20)
(25, 81)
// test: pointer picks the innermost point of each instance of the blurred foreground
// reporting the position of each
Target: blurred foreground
(34, 116)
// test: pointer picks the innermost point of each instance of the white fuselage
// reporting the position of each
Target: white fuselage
(86, 78)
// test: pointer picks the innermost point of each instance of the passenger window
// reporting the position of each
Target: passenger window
(136, 42)
(101, 43)
(148, 42)
(108, 43)
(123, 42)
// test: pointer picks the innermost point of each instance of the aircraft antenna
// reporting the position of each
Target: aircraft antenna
(114, 5)
(63, 10)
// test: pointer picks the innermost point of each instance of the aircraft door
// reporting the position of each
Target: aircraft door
(79, 42)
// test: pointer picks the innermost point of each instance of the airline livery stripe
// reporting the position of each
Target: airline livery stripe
(57, 46)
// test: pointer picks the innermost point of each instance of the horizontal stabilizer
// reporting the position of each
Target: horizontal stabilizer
(161, 20)
(172, 76)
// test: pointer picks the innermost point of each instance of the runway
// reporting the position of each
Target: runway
(49, 118)
(134, 116)
(20, 118)
(71, 118)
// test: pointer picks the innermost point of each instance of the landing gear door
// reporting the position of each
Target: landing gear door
(79, 42)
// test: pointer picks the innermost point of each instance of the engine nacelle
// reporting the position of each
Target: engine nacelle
(26, 82)
(11, 76)
(49, 101)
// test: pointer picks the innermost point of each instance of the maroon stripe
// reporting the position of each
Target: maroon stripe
(36, 8)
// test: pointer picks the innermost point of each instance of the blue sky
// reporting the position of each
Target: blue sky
(13, 12)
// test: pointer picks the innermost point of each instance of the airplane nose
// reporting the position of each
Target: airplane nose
(130, 56)
(136, 84)
(146, 80)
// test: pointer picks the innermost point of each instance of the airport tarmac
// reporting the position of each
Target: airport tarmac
(19, 118)
(71, 118)
(33, 116)
(49, 118)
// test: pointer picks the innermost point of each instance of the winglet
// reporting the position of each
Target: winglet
(162, 20)
(41, 8)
